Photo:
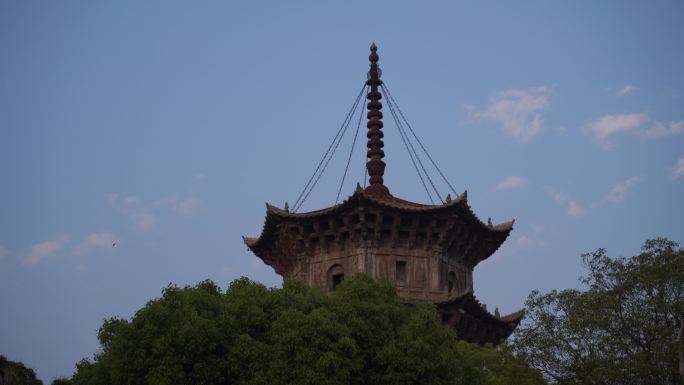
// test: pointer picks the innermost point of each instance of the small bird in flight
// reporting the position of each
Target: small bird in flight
(113, 244)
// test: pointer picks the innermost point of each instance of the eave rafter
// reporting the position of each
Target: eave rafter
(458, 223)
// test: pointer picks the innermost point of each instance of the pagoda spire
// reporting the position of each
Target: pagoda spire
(375, 165)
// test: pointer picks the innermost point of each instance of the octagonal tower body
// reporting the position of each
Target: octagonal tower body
(428, 250)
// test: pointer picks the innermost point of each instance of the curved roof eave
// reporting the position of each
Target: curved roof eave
(467, 297)
(459, 203)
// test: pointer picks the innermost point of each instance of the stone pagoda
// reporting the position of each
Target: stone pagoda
(429, 251)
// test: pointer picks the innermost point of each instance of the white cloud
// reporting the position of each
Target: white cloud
(131, 200)
(41, 250)
(4, 252)
(531, 238)
(617, 193)
(511, 182)
(103, 239)
(145, 220)
(524, 242)
(573, 208)
(134, 209)
(517, 111)
(145, 217)
(626, 90)
(186, 206)
(660, 130)
(609, 125)
(679, 168)
(182, 206)
(534, 237)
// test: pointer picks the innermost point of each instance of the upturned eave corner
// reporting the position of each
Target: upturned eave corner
(467, 301)
(249, 241)
(468, 296)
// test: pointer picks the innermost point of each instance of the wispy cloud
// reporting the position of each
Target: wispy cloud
(660, 129)
(131, 200)
(133, 207)
(4, 252)
(183, 206)
(145, 220)
(533, 237)
(145, 216)
(510, 183)
(573, 208)
(617, 193)
(524, 242)
(42, 250)
(610, 125)
(530, 238)
(679, 168)
(103, 239)
(626, 90)
(518, 111)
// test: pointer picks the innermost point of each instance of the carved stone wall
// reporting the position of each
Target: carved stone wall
(421, 275)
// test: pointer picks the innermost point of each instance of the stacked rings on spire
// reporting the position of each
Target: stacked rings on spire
(375, 165)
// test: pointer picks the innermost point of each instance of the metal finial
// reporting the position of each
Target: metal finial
(287, 207)
(375, 165)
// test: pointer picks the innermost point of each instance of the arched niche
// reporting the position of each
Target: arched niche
(451, 282)
(335, 276)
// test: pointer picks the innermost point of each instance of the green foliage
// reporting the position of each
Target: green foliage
(16, 373)
(361, 334)
(621, 330)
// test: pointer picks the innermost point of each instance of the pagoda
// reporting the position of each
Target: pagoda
(429, 251)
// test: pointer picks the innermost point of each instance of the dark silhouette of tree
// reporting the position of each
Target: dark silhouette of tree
(360, 334)
(16, 373)
(623, 329)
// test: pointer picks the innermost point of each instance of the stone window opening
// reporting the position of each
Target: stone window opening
(452, 282)
(400, 271)
(337, 280)
(335, 277)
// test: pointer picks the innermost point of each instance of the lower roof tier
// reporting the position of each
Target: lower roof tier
(473, 323)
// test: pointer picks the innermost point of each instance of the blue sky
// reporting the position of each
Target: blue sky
(165, 126)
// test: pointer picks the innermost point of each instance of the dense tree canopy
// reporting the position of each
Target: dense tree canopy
(625, 328)
(361, 334)
(16, 373)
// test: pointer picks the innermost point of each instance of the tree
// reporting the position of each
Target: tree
(360, 334)
(16, 373)
(623, 329)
